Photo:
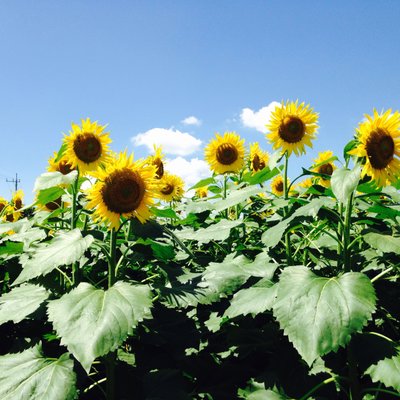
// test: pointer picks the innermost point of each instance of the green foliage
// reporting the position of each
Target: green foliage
(386, 371)
(30, 376)
(344, 182)
(92, 322)
(320, 314)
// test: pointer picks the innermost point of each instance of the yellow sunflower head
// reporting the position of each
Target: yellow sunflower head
(10, 214)
(87, 146)
(17, 199)
(124, 188)
(277, 186)
(379, 145)
(324, 165)
(225, 153)
(3, 204)
(306, 183)
(157, 159)
(292, 126)
(202, 192)
(171, 187)
(258, 158)
(62, 165)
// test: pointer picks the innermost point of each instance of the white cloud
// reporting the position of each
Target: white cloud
(172, 141)
(258, 119)
(191, 171)
(192, 120)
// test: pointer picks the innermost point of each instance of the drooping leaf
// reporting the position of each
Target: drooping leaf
(52, 179)
(164, 213)
(21, 225)
(236, 197)
(344, 182)
(261, 176)
(203, 182)
(254, 300)
(320, 314)
(384, 243)
(92, 322)
(386, 371)
(66, 248)
(51, 194)
(21, 301)
(31, 376)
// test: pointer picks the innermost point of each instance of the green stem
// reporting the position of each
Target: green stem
(340, 236)
(369, 390)
(288, 247)
(346, 235)
(73, 226)
(315, 388)
(386, 271)
(111, 357)
(355, 388)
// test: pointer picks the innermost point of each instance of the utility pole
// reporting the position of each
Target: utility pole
(16, 181)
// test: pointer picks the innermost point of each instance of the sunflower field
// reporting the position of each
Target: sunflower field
(118, 284)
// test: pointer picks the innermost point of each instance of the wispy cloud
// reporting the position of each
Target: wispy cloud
(258, 119)
(172, 141)
(192, 120)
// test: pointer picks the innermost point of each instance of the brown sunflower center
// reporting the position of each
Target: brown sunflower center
(326, 169)
(167, 189)
(279, 186)
(64, 167)
(2, 205)
(227, 154)
(292, 130)
(54, 205)
(17, 203)
(123, 191)
(87, 147)
(257, 163)
(160, 167)
(380, 148)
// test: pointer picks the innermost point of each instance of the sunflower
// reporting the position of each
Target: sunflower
(171, 187)
(322, 167)
(52, 205)
(17, 199)
(123, 188)
(62, 165)
(292, 126)
(277, 186)
(202, 192)
(306, 183)
(87, 146)
(158, 161)
(258, 158)
(378, 142)
(3, 204)
(225, 153)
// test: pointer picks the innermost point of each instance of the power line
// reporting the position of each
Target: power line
(16, 181)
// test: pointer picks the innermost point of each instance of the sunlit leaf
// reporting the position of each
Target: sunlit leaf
(384, 243)
(344, 182)
(56, 178)
(386, 371)
(92, 322)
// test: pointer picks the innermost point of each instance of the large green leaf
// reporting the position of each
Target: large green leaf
(344, 182)
(235, 197)
(18, 226)
(386, 371)
(319, 314)
(21, 301)
(219, 231)
(92, 322)
(254, 300)
(56, 178)
(66, 248)
(30, 376)
(384, 243)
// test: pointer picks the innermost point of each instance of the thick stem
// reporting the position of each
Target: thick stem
(288, 247)
(346, 235)
(75, 279)
(355, 388)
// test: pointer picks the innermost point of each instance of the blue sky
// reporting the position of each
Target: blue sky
(140, 65)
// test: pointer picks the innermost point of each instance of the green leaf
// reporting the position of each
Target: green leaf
(92, 322)
(56, 178)
(30, 376)
(164, 213)
(254, 300)
(203, 182)
(219, 232)
(386, 371)
(261, 176)
(61, 152)
(19, 226)
(66, 248)
(384, 243)
(236, 197)
(349, 146)
(11, 248)
(319, 314)
(344, 182)
(21, 301)
(48, 195)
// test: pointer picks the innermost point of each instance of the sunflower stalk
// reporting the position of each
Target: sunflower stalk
(74, 188)
(286, 210)
(346, 235)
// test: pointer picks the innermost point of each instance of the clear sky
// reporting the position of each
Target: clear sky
(140, 65)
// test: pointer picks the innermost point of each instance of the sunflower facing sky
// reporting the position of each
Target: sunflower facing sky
(171, 187)
(379, 144)
(323, 166)
(87, 146)
(292, 126)
(124, 188)
(225, 153)
(258, 158)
